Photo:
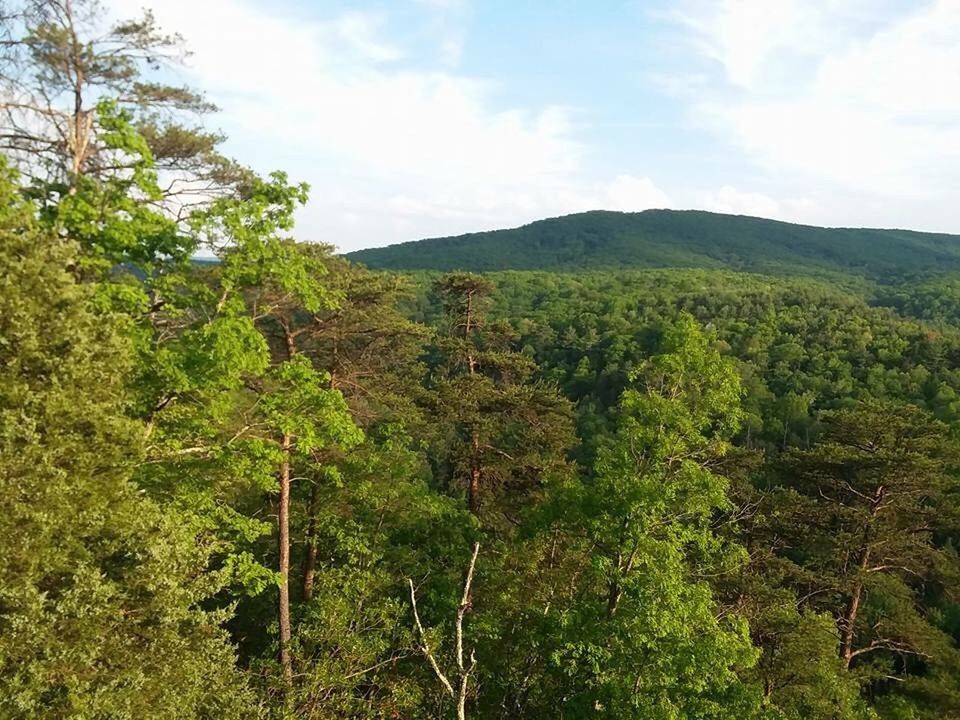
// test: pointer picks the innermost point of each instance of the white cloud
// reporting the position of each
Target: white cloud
(516, 206)
(742, 34)
(732, 200)
(843, 108)
(631, 194)
(832, 96)
(451, 50)
(728, 199)
(392, 151)
(360, 31)
(444, 4)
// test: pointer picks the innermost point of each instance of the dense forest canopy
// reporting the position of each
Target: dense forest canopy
(676, 238)
(285, 485)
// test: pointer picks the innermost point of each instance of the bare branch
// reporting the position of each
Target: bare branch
(464, 670)
(465, 604)
(424, 645)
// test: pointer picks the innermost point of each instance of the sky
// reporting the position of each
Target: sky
(424, 118)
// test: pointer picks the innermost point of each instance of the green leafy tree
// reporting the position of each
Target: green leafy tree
(299, 415)
(639, 634)
(102, 590)
(264, 414)
(799, 670)
(374, 522)
(59, 60)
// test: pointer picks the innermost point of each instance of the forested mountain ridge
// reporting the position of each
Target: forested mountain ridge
(675, 238)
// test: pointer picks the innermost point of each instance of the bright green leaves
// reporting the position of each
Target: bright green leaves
(297, 402)
(690, 395)
(216, 355)
(642, 638)
(116, 217)
(249, 235)
(655, 473)
(100, 588)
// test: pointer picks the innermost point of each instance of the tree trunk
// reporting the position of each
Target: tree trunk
(283, 522)
(849, 626)
(464, 668)
(310, 558)
(81, 120)
(848, 634)
(473, 494)
(290, 341)
(613, 598)
(467, 328)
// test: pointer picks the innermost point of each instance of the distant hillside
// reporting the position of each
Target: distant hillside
(675, 238)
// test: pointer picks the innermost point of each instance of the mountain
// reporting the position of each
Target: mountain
(675, 238)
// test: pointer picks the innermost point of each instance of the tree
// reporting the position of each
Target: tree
(299, 415)
(799, 670)
(869, 505)
(375, 522)
(59, 60)
(639, 634)
(102, 590)
(369, 350)
(464, 666)
(505, 429)
(280, 411)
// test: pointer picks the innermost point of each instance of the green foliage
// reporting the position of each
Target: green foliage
(296, 401)
(114, 217)
(802, 346)
(102, 590)
(871, 499)
(638, 636)
(671, 238)
(376, 522)
(503, 432)
(205, 463)
(800, 673)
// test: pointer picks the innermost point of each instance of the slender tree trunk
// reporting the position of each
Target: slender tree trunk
(464, 668)
(849, 634)
(624, 566)
(283, 522)
(81, 120)
(473, 494)
(467, 329)
(310, 558)
(613, 598)
(290, 340)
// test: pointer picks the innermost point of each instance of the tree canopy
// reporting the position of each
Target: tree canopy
(278, 484)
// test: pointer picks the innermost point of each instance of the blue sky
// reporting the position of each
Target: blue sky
(416, 118)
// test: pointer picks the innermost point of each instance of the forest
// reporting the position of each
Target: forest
(677, 238)
(281, 483)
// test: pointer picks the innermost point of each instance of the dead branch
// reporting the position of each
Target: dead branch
(464, 669)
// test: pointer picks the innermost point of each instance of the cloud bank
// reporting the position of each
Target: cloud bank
(835, 112)
(392, 151)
